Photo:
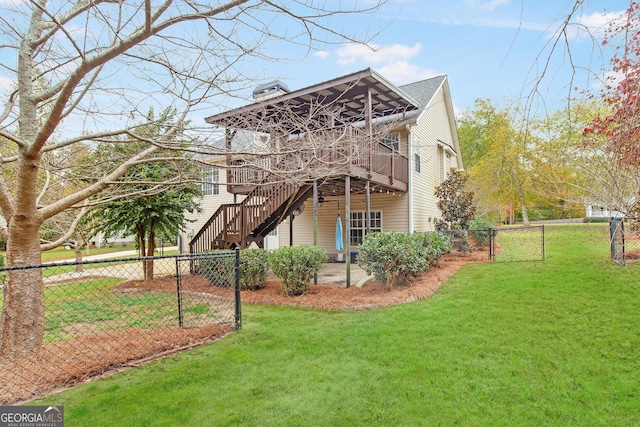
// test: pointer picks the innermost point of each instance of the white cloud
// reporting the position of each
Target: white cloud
(598, 21)
(486, 5)
(374, 55)
(393, 61)
(595, 24)
(6, 84)
(402, 72)
(610, 79)
(322, 54)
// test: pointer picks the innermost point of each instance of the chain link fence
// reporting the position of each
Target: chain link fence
(102, 315)
(509, 244)
(624, 238)
(505, 244)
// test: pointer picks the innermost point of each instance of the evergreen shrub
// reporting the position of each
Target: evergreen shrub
(295, 266)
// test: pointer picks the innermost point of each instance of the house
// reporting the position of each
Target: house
(358, 147)
(601, 211)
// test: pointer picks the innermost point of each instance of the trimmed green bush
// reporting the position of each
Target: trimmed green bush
(434, 245)
(219, 271)
(295, 266)
(393, 258)
(254, 264)
(479, 231)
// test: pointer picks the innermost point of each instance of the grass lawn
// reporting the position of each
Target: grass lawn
(94, 302)
(526, 344)
(61, 253)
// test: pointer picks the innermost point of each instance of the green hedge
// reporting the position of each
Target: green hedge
(254, 264)
(394, 258)
(596, 219)
(295, 266)
(479, 231)
(220, 271)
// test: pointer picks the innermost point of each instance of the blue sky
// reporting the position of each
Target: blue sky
(488, 48)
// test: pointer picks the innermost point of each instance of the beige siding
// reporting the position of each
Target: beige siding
(209, 205)
(432, 126)
(435, 124)
(394, 209)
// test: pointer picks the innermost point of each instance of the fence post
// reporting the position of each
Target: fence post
(237, 290)
(490, 232)
(617, 240)
(179, 290)
(543, 253)
(624, 252)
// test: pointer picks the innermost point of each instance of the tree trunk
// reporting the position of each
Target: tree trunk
(78, 254)
(151, 246)
(523, 206)
(23, 310)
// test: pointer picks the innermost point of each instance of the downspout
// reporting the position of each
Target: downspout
(410, 179)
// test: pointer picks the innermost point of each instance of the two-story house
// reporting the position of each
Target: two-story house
(356, 147)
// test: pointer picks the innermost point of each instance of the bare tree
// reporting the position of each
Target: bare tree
(86, 73)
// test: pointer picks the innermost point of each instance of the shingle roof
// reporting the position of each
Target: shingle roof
(424, 90)
(348, 91)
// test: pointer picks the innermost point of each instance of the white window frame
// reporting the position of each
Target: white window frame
(211, 181)
(358, 225)
(392, 140)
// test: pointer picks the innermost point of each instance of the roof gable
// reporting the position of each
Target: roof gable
(424, 90)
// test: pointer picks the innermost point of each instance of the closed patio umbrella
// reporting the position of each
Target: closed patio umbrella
(339, 244)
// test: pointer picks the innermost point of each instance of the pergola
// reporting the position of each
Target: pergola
(363, 99)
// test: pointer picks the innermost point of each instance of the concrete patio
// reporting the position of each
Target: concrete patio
(335, 274)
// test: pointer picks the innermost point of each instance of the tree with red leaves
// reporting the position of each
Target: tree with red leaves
(621, 91)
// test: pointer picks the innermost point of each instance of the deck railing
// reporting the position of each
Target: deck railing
(337, 150)
(233, 223)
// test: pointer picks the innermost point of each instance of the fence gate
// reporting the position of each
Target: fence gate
(624, 239)
(510, 244)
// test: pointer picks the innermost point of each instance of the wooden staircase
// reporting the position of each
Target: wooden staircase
(240, 224)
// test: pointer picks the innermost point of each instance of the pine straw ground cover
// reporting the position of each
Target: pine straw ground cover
(331, 297)
(68, 363)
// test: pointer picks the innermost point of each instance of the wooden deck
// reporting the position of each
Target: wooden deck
(340, 153)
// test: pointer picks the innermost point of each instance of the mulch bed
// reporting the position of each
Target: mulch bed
(68, 363)
(371, 294)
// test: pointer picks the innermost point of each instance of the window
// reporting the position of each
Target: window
(359, 227)
(392, 140)
(211, 178)
(417, 162)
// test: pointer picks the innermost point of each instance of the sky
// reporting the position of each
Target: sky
(493, 49)
(488, 49)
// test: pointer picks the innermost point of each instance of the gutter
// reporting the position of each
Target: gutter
(410, 179)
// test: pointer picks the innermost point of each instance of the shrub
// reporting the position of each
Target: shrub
(219, 270)
(295, 266)
(596, 219)
(455, 204)
(393, 257)
(459, 239)
(254, 264)
(479, 231)
(434, 245)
